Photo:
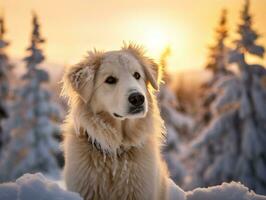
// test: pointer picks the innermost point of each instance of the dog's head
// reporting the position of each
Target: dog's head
(116, 82)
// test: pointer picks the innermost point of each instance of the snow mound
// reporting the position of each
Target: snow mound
(34, 186)
(226, 191)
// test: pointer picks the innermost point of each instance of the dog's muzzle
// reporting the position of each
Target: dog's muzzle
(136, 101)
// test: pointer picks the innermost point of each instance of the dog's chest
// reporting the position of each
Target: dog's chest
(132, 175)
(121, 178)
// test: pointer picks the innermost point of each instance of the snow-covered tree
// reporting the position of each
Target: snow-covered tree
(32, 124)
(232, 147)
(251, 165)
(175, 122)
(217, 60)
(5, 67)
(217, 63)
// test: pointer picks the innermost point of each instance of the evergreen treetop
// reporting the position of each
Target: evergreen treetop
(246, 43)
(36, 55)
(217, 56)
(3, 43)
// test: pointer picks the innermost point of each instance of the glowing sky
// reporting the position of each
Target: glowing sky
(73, 27)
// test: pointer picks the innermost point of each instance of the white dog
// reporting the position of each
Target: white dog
(113, 132)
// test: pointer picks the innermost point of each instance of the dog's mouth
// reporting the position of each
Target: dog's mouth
(136, 109)
(117, 115)
(132, 111)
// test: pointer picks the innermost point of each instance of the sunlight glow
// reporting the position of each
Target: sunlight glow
(157, 34)
(156, 40)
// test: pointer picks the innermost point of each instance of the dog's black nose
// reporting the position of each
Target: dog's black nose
(136, 99)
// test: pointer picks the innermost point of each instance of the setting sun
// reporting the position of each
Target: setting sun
(156, 40)
(152, 33)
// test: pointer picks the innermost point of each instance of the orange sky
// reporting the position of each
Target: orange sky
(72, 27)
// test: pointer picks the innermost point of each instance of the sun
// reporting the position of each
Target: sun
(155, 40)
(153, 34)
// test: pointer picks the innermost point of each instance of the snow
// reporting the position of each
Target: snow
(226, 191)
(175, 192)
(34, 186)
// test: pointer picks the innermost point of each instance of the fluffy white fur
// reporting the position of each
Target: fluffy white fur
(110, 157)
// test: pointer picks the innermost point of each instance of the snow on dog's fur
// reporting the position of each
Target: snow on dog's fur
(113, 132)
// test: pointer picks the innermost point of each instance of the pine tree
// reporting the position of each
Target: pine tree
(232, 147)
(32, 146)
(217, 60)
(175, 122)
(217, 64)
(5, 67)
(251, 165)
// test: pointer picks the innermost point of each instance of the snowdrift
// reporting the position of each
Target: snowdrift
(36, 186)
(226, 191)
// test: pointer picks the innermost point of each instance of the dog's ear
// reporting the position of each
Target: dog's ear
(80, 77)
(152, 72)
(151, 69)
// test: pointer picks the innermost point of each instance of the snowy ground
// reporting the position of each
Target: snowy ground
(36, 186)
(29, 187)
(226, 191)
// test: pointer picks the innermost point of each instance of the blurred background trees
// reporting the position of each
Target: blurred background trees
(176, 122)
(217, 63)
(31, 146)
(5, 68)
(232, 147)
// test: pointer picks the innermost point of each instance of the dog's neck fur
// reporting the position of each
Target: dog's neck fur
(96, 145)
(110, 135)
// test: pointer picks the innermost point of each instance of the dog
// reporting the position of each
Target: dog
(113, 132)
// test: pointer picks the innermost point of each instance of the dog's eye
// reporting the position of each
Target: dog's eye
(136, 75)
(111, 80)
